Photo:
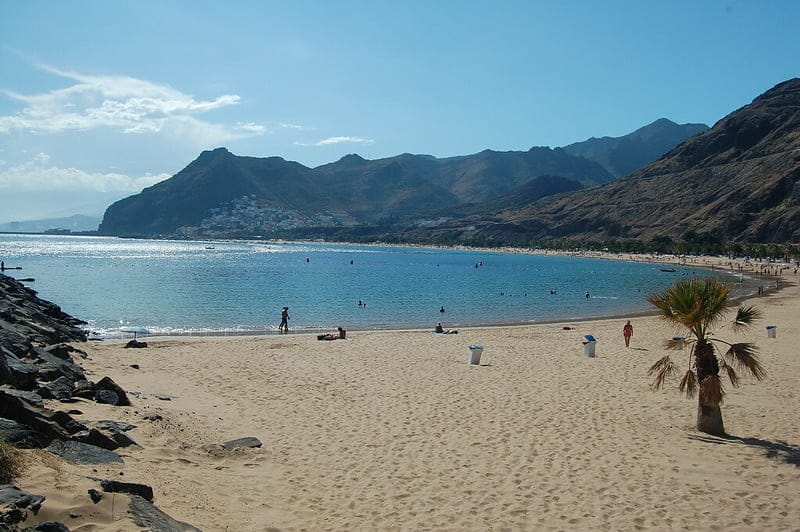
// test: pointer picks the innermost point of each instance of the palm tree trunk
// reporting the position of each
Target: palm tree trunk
(709, 416)
(709, 419)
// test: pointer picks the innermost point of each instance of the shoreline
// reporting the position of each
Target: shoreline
(710, 263)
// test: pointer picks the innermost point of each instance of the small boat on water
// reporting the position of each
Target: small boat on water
(670, 270)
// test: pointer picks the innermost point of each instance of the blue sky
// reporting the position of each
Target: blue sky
(99, 99)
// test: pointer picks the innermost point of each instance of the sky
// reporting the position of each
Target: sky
(101, 98)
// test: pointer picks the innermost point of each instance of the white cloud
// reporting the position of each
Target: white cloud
(251, 127)
(122, 103)
(39, 174)
(337, 140)
(298, 127)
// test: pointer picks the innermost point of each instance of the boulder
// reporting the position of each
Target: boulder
(61, 388)
(84, 389)
(25, 395)
(82, 453)
(106, 383)
(106, 397)
(64, 351)
(67, 368)
(148, 517)
(98, 439)
(114, 430)
(15, 372)
(135, 344)
(114, 486)
(14, 502)
(20, 435)
(113, 426)
(48, 424)
(242, 443)
(49, 372)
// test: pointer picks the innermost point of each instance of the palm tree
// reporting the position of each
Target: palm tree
(698, 305)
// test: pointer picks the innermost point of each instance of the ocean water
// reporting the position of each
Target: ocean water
(182, 287)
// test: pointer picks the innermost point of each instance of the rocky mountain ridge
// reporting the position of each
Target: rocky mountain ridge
(738, 181)
(623, 155)
(223, 195)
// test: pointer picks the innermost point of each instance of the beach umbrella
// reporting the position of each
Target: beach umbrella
(134, 330)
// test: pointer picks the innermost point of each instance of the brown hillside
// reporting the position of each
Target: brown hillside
(740, 180)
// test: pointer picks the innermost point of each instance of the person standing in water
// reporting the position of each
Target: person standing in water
(284, 326)
(627, 332)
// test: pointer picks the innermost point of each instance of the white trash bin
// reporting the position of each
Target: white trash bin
(475, 354)
(589, 343)
(678, 346)
(772, 331)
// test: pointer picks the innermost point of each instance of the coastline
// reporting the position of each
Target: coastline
(711, 263)
(499, 314)
(394, 430)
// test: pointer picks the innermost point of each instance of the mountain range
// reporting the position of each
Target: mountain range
(223, 195)
(738, 181)
(622, 155)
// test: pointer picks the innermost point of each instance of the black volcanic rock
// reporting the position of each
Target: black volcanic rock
(144, 514)
(83, 453)
(623, 155)
(20, 435)
(108, 384)
(740, 181)
(26, 319)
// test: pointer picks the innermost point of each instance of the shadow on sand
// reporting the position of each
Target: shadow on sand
(775, 450)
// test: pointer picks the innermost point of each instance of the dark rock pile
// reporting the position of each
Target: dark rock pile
(36, 363)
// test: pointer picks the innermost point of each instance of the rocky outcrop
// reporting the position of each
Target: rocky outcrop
(37, 363)
(25, 319)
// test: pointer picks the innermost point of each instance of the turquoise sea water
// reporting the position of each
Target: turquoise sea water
(229, 287)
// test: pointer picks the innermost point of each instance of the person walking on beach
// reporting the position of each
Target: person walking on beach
(284, 326)
(627, 332)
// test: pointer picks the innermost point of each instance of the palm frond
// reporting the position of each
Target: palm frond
(745, 316)
(711, 390)
(677, 343)
(715, 299)
(743, 356)
(688, 384)
(734, 378)
(661, 370)
(695, 304)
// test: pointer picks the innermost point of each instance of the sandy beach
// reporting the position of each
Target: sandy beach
(395, 430)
